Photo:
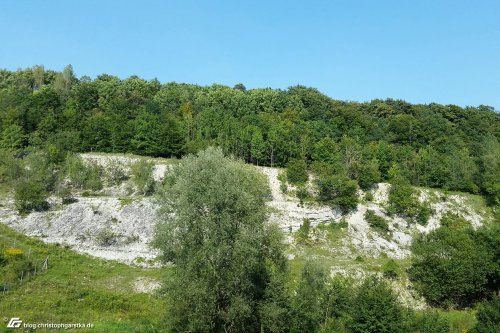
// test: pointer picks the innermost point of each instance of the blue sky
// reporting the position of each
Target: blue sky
(420, 51)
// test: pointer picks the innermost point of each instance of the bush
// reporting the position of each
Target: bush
(368, 197)
(488, 316)
(454, 268)
(403, 200)
(304, 230)
(338, 191)
(424, 212)
(376, 309)
(115, 173)
(283, 182)
(10, 167)
(302, 194)
(376, 222)
(106, 237)
(391, 269)
(142, 173)
(29, 195)
(430, 322)
(83, 175)
(296, 172)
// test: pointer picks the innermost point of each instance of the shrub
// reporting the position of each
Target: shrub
(302, 194)
(391, 269)
(338, 191)
(10, 167)
(488, 316)
(283, 183)
(83, 175)
(304, 229)
(424, 212)
(376, 309)
(115, 173)
(29, 195)
(402, 199)
(368, 197)
(453, 267)
(142, 172)
(106, 237)
(429, 322)
(376, 222)
(296, 171)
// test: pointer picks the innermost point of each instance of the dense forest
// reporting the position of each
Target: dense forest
(433, 145)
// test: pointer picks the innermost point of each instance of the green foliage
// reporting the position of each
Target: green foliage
(403, 200)
(369, 174)
(209, 237)
(454, 267)
(430, 322)
(302, 194)
(30, 195)
(115, 173)
(308, 310)
(488, 316)
(76, 285)
(376, 309)
(10, 167)
(106, 237)
(81, 174)
(142, 175)
(433, 145)
(304, 230)
(296, 171)
(283, 182)
(376, 222)
(12, 138)
(391, 269)
(338, 191)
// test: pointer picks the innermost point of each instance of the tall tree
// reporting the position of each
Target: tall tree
(213, 231)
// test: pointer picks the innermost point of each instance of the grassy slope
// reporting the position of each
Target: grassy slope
(79, 288)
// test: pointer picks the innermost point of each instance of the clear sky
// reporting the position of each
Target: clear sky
(417, 50)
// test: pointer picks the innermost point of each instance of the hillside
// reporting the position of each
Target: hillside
(118, 223)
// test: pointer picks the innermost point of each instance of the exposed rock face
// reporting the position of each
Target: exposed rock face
(100, 226)
(122, 229)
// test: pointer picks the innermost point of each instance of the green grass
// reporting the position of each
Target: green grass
(79, 288)
(460, 321)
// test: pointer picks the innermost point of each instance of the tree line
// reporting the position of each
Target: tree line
(434, 145)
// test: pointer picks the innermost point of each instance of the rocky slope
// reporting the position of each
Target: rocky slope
(119, 224)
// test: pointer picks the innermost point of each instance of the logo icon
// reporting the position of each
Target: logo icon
(14, 323)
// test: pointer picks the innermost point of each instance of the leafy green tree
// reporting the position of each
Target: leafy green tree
(208, 238)
(258, 146)
(490, 168)
(451, 267)
(308, 306)
(326, 150)
(369, 174)
(376, 309)
(338, 191)
(12, 138)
